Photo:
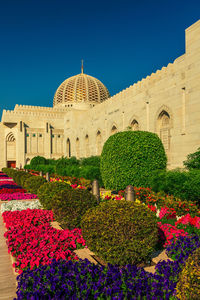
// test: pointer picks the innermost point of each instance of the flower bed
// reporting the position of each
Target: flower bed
(18, 205)
(83, 280)
(32, 241)
(17, 196)
(48, 266)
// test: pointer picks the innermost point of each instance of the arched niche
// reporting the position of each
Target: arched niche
(68, 148)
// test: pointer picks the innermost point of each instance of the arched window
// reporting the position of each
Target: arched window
(164, 129)
(77, 148)
(134, 125)
(68, 148)
(98, 142)
(11, 150)
(113, 129)
(87, 149)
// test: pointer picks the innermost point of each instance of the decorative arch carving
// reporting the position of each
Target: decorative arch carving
(10, 137)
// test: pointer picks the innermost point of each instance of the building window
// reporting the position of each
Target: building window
(34, 135)
(59, 136)
(27, 134)
(40, 135)
(52, 135)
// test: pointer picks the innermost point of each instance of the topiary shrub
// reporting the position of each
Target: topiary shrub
(120, 232)
(33, 183)
(129, 157)
(69, 206)
(48, 190)
(188, 286)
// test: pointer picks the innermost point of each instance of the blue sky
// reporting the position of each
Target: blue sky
(42, 43)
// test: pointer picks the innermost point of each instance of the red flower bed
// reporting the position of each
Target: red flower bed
(11, 191)
(33, 241)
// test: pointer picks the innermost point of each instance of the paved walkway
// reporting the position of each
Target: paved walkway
(7, 277)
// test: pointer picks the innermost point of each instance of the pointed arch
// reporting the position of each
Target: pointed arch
(98, 142)
(87, 148)
(77, 148)
(134, 125)
(164, 124)
(114, 129)
(10, 137)
(10, 150)
(68, 148)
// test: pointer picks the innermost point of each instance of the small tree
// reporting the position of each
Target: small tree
(193, 160)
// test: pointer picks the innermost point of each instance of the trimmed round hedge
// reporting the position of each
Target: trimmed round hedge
(48, 190)
(33, 183)
(129, 157)
(120, 232)
(70, 205)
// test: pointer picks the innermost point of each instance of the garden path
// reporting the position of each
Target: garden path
(7, 277)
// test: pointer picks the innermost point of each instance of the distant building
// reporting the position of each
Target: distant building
(84, 115)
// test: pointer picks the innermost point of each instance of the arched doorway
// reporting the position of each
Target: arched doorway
(11, 150)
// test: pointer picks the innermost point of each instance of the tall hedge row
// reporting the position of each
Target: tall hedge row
(129, 157)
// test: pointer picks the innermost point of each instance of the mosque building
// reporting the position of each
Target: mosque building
(84, 115)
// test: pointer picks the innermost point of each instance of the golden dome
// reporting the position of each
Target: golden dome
(81, 88)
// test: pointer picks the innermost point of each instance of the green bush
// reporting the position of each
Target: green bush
(66, 165)
(120, 232)
(37, 160)
(18, 176)
(33, 183)
(48, 190)
(188, 286)
(180, 184)
(91, 161)
(193, 161)
(24, 178)
(129, 157)
(70, 205)
(91, 172)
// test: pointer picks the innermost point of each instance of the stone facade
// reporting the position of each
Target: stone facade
(166, 102)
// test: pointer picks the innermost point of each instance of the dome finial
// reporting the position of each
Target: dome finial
(82, 66)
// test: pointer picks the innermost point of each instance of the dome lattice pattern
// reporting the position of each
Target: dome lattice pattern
(81, 88)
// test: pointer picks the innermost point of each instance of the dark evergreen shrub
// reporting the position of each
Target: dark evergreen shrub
(129, 157)
(193, 161)
(48, 190)
(91, 172)
(70, 205)
(37, 160)
(33, 183)
(63, 163)
(120, 232)
(91, 161)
